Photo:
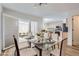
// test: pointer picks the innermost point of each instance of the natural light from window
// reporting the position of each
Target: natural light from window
(23, 27)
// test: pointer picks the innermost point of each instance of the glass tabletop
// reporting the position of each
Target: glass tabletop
(43, 44)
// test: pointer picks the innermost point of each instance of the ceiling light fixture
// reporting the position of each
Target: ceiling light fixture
(40, 4)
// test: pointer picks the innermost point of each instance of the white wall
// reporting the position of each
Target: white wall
(0, 26)
(69, 31)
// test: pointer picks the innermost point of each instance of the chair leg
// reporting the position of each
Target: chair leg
(53, 47)
(36, 55)
(52, 54)
(58, 46)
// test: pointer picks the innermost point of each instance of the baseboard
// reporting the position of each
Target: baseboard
(8, 47)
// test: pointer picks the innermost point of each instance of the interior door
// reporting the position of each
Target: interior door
(75, 30)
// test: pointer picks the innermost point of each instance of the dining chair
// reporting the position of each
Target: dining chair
(55, 37)
(61, 50)
(23, 51)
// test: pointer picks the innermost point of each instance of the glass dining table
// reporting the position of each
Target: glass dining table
(43, 45)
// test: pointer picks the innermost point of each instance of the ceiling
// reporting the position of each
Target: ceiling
(51, 10)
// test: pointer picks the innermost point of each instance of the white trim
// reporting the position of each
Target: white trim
(0, 27)
(9, 47)
(69, 41)
(3, 33)
(5, 14)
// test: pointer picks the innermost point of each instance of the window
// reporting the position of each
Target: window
(23, 27)
(34, 27)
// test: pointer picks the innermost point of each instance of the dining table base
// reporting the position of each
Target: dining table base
(40, 51)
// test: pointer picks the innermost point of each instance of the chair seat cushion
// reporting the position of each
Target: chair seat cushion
(28, 52)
